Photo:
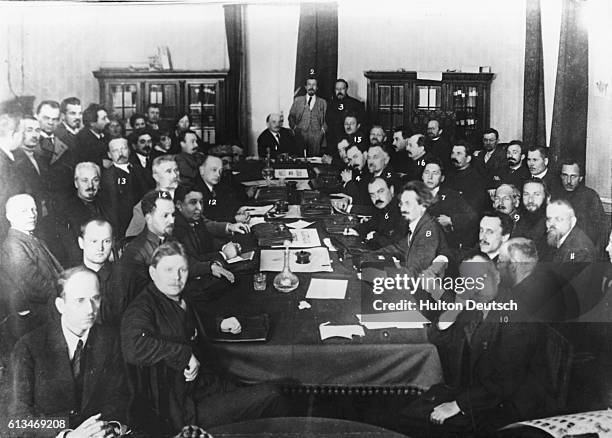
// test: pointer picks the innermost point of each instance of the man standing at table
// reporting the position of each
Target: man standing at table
(307, 119)
(162, 337)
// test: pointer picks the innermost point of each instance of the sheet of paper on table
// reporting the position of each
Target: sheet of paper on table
(290, 173)
(246, 256)
(273, 260)
(409, 319)
(258, 211)
(315, 160)
(298, 225)
(343, 331)
(294, 212)
(254, 220)
(598, 423)
(327, 289)
(305, 238)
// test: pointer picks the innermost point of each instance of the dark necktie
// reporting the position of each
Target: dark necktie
(309, 100)
(277, 138)
(76, 360)
(409, 237)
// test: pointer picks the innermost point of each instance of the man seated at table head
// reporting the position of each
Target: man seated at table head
(28, 262)
(424, 239)
(71, 368)
(506, 200)
(495, 229)
(162, 335)
(276, 139)
(387, 225)
(490, 365)
(221, 202)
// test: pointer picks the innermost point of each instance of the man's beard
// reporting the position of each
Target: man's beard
(553, 237)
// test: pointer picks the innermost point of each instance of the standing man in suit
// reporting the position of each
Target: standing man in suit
(425, 239)
(277, 139)
(91, 144)
(71, 367)
(307, 119)
(72, 118)
(28, 262)
(339, 106)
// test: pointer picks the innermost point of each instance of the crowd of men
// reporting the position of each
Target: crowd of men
(112, 245)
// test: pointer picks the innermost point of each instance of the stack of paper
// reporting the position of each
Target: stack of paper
(327, 289)
(304, 238)
(342, 331)
(242, 257)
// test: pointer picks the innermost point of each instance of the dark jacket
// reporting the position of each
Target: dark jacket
(11, 183)
(220, 204)
(515, 177)
(493, 168)
(463, 232)
(472, 186)
(90, 147)
(189, 167)
(357, 188)
(67, 137)
(442, 149)
(336, 112)
(60, 161)
(42, 381)
(35, 184)
(267, 140)
(576, 252)
(532, 226)
(137, 257)
(387, 224)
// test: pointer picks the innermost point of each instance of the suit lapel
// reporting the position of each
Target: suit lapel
(94, 359)
(482, 338)
(59, 360)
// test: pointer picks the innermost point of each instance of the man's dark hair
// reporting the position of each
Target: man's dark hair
(182, 134)
(507, 224)
(148, 203)
(167, 249)
(183, 190)
(68, 274)
(135, 135)
(354, 115)
(90, 115)
(437, 162)
(423, 193)
(518, 143)
(68, 101)
(421, 141)
(541, 149)
(406, 131)
(386, 149)
(206, 158)
(52, 103)
(135, 117)
(570, 161)
(387, 183)
(152, 105)
(491, 131)
(341, 80)
(469, 150)
(534, 180)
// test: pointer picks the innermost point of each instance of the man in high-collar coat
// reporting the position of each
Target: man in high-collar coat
(276, 138)
(71, 367)
(307, 119)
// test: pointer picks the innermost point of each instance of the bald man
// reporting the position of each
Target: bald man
(276, 138)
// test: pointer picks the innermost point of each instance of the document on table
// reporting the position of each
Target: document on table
(343, 331)
(273, 260)
(403, 320)
(298, 225)
(294, 212)
(258, 211)
(254, 220)
(327, 289)
(244, 257)
(594, 423)
(304, 238)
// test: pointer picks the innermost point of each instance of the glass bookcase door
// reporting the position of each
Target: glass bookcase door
(166, 95)
(391, 107)
(202, 108)
(465, 102)
(123, 100)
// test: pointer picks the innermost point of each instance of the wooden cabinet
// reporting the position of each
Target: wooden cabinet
(201, 94)
(461, 101)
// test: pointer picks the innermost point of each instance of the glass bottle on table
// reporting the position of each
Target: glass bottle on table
(268, 171)
(286, 281)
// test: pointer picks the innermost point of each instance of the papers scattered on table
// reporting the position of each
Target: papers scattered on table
(303, 185)
(254, 220)
(314, 160)
(242, 257)
(327, 289)
(298, 225)
(596, 423)
(304, 305)
(409, 319)
(273, 259)
(305, 238)
(290, 173)
(342, 331)
(329, 245)
(258, 211)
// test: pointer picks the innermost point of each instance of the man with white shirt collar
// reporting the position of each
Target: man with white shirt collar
(71, 367)
(307, 119)
(28, 262)
(495, 229)
(72, 118)
(276, 138)
(537, 162)
(91, 145)
(141, 143)
(568, 244)
(123, 185)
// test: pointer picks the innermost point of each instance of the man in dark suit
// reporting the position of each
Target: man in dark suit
(517, 171)
(495, 229)
(491, 161)
(162, 338)
(91, 144)
(32, 268)
(532, 221)
(425, 239)
(400, 161)
(71, 367)
(10, 179)
(355, 178)
(506, 200)
(538, 164)
(72, 118)
(122, 186)
(437, 143)
(276, 139)
(307, 119)
(466, 180)
(32, 166)
(141, 143)
(418, 154)
(221, 202)
(339, 106)
(487, 362)
(352, 135)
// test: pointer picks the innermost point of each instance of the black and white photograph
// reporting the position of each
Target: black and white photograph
(317, 219)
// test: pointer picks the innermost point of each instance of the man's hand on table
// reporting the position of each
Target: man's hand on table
(239, 228)
(342, 204)
(231, 250)
(231, 325)
(326, 159)
(346, 175)
(242, 215)
(443, 412)
(219, 271)
(191, 371)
